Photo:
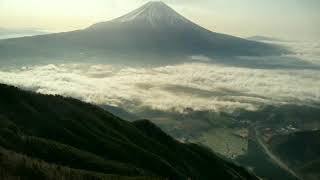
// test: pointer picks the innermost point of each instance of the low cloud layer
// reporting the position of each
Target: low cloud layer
(200, 86)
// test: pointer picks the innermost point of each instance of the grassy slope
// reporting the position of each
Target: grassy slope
(78, 135)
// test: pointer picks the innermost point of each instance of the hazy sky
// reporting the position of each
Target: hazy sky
(290, 19)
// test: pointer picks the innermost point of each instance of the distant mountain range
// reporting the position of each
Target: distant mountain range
(52, 137)
(6, 33)
(153, 30)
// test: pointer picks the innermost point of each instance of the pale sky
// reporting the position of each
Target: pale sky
(288, 19)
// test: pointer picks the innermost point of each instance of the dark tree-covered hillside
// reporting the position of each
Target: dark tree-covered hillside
(49, 132)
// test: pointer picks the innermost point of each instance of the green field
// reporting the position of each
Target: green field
(224, 141)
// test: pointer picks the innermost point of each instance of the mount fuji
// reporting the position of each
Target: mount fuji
(153, 30)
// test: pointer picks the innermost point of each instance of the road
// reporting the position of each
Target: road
(273, 157)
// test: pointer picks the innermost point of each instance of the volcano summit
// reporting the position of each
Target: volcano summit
(153, 30)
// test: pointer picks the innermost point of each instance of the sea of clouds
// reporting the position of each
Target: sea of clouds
(197, 85)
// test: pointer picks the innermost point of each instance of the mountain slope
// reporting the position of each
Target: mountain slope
(15, 166)
(153, 30)
(81, 136)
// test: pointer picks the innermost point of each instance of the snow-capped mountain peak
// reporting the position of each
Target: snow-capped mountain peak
(157, 28)
(155, 13)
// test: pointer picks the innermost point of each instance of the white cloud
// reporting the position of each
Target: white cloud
(200, 86)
